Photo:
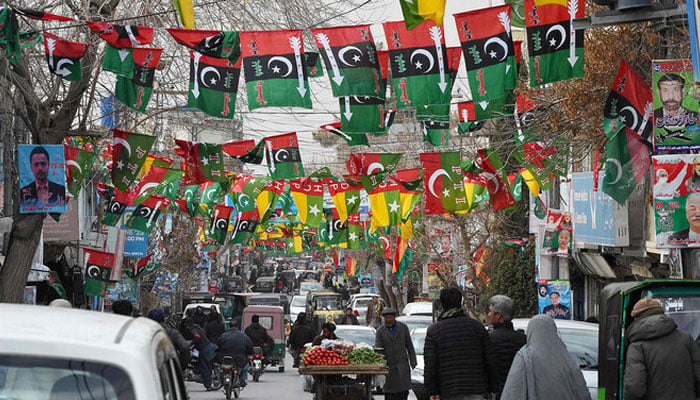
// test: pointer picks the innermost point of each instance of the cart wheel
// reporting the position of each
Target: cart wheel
(281, 369)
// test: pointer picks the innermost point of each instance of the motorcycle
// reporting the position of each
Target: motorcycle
(230, 378)
(192, 374)
(256, 363)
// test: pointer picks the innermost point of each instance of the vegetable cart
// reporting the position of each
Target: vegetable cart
(330, 384)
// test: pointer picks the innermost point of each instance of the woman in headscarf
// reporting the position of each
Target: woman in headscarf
(543, 368)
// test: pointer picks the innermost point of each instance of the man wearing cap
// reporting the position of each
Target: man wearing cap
(349, 318)
(184, 354)
(662, 361)
(395, 341)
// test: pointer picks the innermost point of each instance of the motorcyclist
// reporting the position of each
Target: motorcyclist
(258, 334)
(184, 354)
(238, 345)
(301, 333)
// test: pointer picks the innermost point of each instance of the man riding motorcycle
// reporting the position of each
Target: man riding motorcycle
(238, 345)
(258, 334)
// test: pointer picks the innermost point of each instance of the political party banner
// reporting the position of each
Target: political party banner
(558, 233)
(554, 299)
(29, 296)
(164, 286)
(675, 105)
(676, 194)
(42, 179)
(136, 242)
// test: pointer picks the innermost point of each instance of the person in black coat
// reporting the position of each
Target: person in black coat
(184, 354)
(258, 334)
(301, 334)
(348, 318)
(238, 345)
(215, 327)
(506, 340)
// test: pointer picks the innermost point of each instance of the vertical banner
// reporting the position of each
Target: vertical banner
(558, 233)
(693, 8)
(554, 299)
(676, 194)
(675, 106)
(42, 179)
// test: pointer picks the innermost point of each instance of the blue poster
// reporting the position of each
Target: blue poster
(554, 298)
(42, 179)
(136, 242)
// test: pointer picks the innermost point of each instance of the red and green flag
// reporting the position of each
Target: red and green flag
(351, 139)
(336, 231)
(351, 60)
(627, 161)
(444, 183)
(138, 267)
(419, 64)
(98, 270)
(9, 34)
(630, 98)
(436, 133)
(78, 165)
(122, 36)
(363, 114)
(119, 61)
(415, 12)
(129, 151)
(29, 38)
(283, 156)
(40, 15)
(308, 196)
(219, 223)
(489, 56)
(496, 183)
(213, 85)
(470, 111)
(210, 43)
(238, 149)
(145, 216)
(203, 162)
(553, 45)
(274, 69)
(156, 180)
(136, 92)
(403, 255)
(115, 202)
(364, 164)
(64, 56)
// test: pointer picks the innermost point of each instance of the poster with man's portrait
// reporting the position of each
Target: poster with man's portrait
(554, 299)
(42, 179)
(558, 233)
(676, 193)
(675, 105)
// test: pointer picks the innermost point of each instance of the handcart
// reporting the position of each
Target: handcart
(331, 382)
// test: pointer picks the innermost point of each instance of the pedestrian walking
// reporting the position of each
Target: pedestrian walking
(395, 340)
(458, 354)
(506, 340)
(663, 363)
(374, 313)
(543, 369)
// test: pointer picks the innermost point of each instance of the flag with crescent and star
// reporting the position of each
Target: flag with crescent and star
(211, 193)
(116, 202)
(283, 156)
(372, 163)
(64, 56)
(274, 69)
(627, 161)
(554, 47)
(474, 189)
(336, 231)
(312, 62)
(419, 64)
(441, 112)
(203, 162)
(415, 12)
(246, 222)
(154, 161)
(515, 181)
(489, 56)
(122, 36)
(351, 60)
(630, 98)
(384, 200)
(129, 151)
(346, 197)
(135, 92)
(155, 181)
(351, 139)
(78, 165)
(98, 271)
(213, 85)
(219, 223)
(496, 183)
(267, 199)
(436, 133)
(308, 196)
(363, 114)
(145, 216)
(443, 182)
(210, 43)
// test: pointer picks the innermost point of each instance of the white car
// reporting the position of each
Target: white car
(359, 303)
(206, 307)
(63, 353)
(306, 287)
(297, 305)
(418, 308)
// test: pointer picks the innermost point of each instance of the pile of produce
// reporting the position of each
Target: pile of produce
(364, 356)
(321, 356)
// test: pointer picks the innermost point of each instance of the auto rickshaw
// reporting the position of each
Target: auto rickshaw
(681, 301)
(272, 319)
(322, 307)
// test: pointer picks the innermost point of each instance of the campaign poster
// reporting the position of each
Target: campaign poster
(42, 179)
(676, 193)
(29, 296)
(558, 233)
(554, 299)
(675, 105)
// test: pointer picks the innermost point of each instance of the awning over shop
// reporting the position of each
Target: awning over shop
(594, 264)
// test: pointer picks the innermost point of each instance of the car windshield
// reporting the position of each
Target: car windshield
(25, 377)
(356, 336)
(416, 323)
(298, 301)
(310, 286)
(582, 345)
(330, 303)
(362, 302)
(418, 339)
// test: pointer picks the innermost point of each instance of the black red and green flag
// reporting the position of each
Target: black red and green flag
(351, 139)
(98, 270)
(54, 282)
(29, 38)
(489, 56)
(496, 182)
(9, 34)
(312, 62)
(627, 161)
(274, 69)
(372, 163)
(351, 60)
(40, 15)
(436, 133)
(203, 162)
(239, 148)
(213, 85)
(415, 12)
(136, 92)
(495, 108)
(441, 112)
(631, 98)
(64, 56)
(138, 267)
(363, 114)
(155, 181)
(119, 61)
(129, 151)
(219, 223)
(244, 227)
(210, 43)
(283, 156)
(444, 183)
(122, 36)
(336, 231)
(115, 202)
(78, 165)
(308, 196)
(145, 216)
(419, 64)
(553, 45)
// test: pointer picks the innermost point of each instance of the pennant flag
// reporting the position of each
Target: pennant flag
(312, 62)
(216, 44)
(436, 133)
(415, 12)
(135, 92)
(267, 200)
(308, 196)
(352, 139)
(155, 181)
(185, 12)
(129, 152)
(553, 45)
(495, 108)
(363, 114)
(188, 204)
(383, 243)
(419, 67)
(154, 161)
(283, 156)
(351, 60)
(213, 85)
(40, 15)
(403, 256)
(492, 171)
(98, 270)
(515, 181)
(78, 166)
(627, 161)
(203, 162)
(351, 266)
(275, 75)
(346, 198)
(443, 182)
(219, 223)
(122, 36)
(238, 149)
(384, 201)
(64, 56)
(9, 34)
(383, 57)
(631, 98)
(372, 163)
(116, 202)
(518, 48)
(146, 214)
(489, 56)
(245, 226)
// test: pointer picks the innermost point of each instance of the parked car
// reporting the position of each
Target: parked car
(297, 305)
(417, 388)
(64, 353)
(418, 308)
(356, 334)
(359, 303)
(310, 286)
(415, 321)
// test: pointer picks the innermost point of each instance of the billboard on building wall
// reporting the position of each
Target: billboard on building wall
(598, 219)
